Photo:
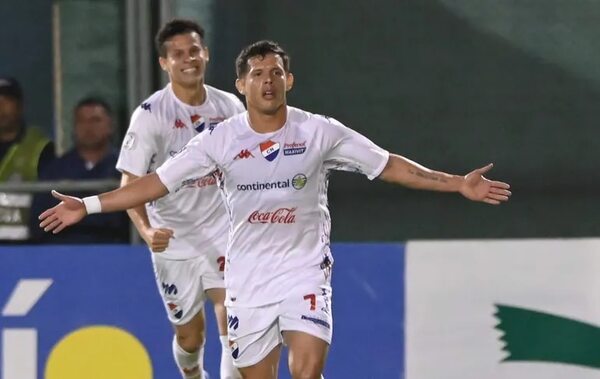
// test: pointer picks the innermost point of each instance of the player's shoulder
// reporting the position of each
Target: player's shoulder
(226, 103)
(152, 106)
(220, 94)
(307, 119)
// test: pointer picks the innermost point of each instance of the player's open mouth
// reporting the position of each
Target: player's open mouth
(269, 94)
(189, 70)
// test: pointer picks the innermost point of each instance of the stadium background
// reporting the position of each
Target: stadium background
(453, 84)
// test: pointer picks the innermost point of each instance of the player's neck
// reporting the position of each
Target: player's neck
(191, 95)
(262, 122)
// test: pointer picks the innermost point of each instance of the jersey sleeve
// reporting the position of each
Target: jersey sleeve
(139, 144)
(348, 150)
(192, 161)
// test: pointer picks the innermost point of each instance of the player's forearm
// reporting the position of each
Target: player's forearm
(139, 218)
(410, 174)
(140, 191)
(137, 215)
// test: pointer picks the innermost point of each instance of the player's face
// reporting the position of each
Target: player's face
(93, 127)
(185, 59)
(265, 84)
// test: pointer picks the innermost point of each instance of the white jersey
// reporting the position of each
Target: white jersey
(160, 127)
(275, 190)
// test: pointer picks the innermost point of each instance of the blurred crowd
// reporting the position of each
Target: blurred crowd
(27, 154)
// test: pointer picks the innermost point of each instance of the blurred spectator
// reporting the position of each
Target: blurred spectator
(23, 153)
(92, 158)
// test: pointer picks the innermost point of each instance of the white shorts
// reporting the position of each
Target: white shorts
(181, 284)
(254, 332)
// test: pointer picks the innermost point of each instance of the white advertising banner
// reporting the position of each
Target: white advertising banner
(510, 309)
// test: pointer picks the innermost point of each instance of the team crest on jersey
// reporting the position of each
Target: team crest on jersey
(197, 122)
(269, 150)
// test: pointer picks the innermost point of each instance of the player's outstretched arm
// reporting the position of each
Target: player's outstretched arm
(71, 209)
(474, 186)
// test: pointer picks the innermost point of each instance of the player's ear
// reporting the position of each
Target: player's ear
(240, 84)
(289, 81)
(206, 53)
(163, 63)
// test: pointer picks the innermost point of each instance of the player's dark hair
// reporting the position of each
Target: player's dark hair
(260, 48)
(173, 28)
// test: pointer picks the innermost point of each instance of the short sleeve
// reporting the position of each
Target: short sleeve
(139, 144)
(348, 150)
(192, 161)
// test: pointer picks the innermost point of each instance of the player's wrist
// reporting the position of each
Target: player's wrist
(92, 204)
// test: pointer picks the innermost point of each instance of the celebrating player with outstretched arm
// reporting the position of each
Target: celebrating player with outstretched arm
(191, 265)
(275, 161)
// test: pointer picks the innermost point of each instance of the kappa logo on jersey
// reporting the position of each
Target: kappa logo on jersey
(175, 310)
(279, 216)
(294, 148)
(178, 124)
(244, 154)
(146, 107)
(269, 150)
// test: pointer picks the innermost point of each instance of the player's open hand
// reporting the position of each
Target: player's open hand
(158, 239)
(476, 187)
(69, 211)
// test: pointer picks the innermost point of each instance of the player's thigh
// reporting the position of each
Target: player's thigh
(253, 333)
(266, 368)
(309, 311)
(306, 324)
(307, 354)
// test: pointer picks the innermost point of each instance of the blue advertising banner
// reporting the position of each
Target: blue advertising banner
(71, 308)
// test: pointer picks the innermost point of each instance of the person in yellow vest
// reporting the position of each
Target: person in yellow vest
(22, 151)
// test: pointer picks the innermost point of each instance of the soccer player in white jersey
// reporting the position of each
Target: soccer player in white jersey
(189, 267)
(275, 161)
